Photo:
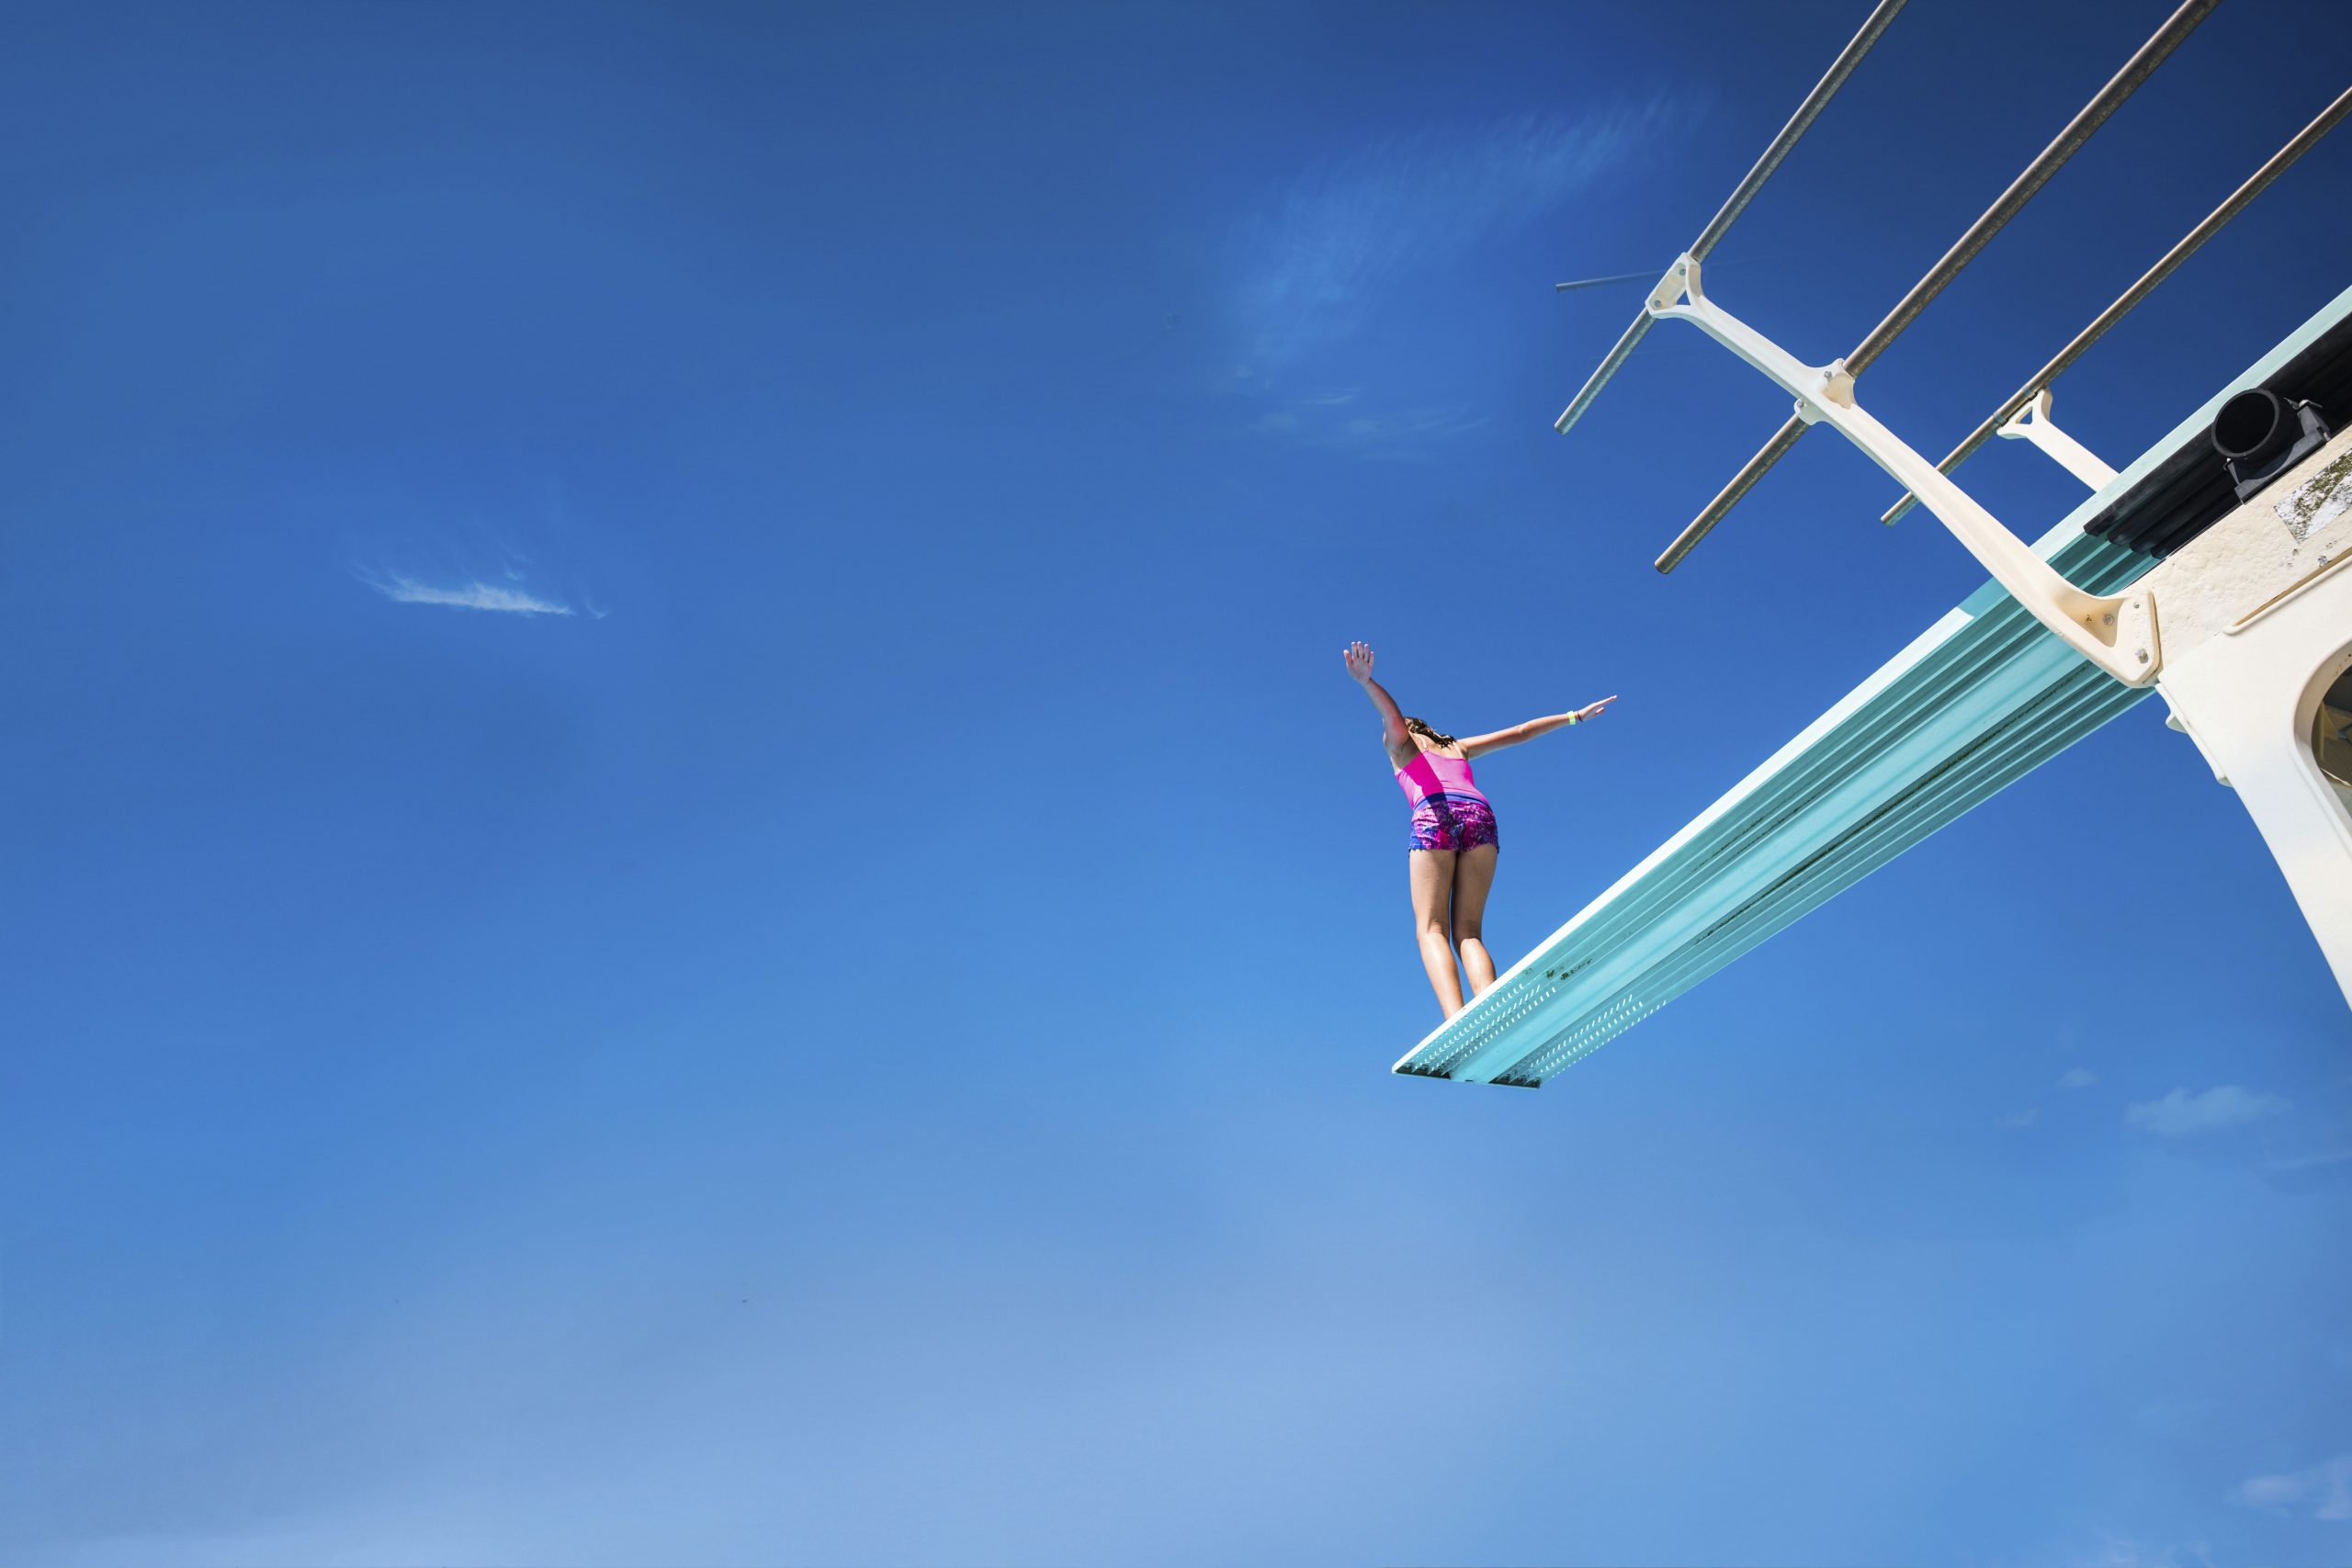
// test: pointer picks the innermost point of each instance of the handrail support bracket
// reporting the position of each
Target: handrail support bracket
(2117, 632)
(2032, 425)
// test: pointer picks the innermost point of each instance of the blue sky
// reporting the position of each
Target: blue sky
(691, 878)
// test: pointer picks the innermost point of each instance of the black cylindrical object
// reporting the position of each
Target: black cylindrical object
(2253, 425)
(2261, 434)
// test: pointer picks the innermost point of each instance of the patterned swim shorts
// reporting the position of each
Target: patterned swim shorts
(1453, 822)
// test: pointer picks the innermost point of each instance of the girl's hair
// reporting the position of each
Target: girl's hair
(1423, 726)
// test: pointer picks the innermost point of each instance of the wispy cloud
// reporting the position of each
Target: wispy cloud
(1390, 435)
(516, 551)
(2019, 1122)
(2120, 1552)
(1352, 227)
(2181, 1114)
(1351, 235)
(475, 595)
(2327, 1485)
(2314, 1160)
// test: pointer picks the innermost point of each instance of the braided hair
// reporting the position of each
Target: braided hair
(1423, 726)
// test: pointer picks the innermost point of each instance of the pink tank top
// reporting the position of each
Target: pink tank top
(1431, 773)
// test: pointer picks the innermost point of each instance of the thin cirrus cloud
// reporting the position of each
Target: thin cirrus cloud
(474, 595)
(2326, 1487)
(1381, 432)
(2181, 1114)
(1350, 229)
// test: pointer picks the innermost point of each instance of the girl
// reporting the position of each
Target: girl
(1453, 858)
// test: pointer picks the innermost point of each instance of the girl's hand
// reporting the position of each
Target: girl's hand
(1358, 661)
(1594, 710)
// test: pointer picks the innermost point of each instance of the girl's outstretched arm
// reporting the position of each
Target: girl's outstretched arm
(1392, 717)
(1475, 746)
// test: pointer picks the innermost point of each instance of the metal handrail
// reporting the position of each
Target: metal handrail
(2077, 131)
(2039, 380)
(1720, 224)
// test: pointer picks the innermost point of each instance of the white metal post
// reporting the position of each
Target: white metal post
(2032, 424)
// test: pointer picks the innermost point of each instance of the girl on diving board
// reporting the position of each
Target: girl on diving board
(1455, 846)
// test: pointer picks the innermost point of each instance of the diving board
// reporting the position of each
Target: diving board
(1978, 700)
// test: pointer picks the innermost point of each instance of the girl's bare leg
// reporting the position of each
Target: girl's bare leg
(1474, 876)
(1432, 873)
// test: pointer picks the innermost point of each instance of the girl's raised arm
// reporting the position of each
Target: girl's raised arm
(1392, 717)
(1476, 746)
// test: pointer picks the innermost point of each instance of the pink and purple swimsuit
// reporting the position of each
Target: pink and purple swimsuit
(1450, 812)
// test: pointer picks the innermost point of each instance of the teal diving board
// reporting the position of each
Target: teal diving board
(1977, 701)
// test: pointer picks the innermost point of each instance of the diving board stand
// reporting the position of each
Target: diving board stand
(2221, 583)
